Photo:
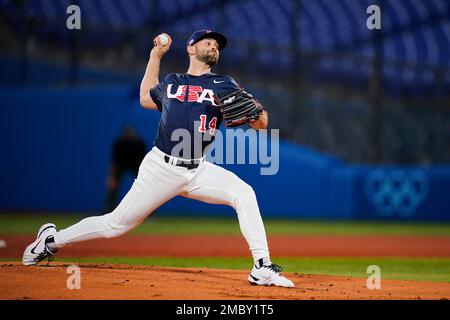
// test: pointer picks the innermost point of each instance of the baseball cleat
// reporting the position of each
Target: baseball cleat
(38, 251)
(269, 275)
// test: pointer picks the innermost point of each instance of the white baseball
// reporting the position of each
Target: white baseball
(163, 39)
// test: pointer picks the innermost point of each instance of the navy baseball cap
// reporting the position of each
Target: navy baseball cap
(202, 34)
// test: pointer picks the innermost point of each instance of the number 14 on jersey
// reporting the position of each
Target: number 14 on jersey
(211, 124)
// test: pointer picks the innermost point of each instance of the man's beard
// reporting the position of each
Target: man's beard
(209, 59)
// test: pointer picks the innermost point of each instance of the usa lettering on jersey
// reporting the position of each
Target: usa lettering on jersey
(195, 94)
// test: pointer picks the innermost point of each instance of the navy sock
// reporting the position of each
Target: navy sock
(50, 243)
(263, 262)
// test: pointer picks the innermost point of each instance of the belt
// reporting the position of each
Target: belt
(189, 164)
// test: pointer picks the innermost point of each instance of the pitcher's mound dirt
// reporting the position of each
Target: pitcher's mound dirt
(102, 281)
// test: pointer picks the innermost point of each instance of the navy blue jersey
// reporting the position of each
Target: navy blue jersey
(189, 112)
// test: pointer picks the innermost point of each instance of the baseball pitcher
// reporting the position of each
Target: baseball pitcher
(195, 102)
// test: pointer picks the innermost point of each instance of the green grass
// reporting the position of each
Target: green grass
(425, 269)
(431, 269)
(28, 224)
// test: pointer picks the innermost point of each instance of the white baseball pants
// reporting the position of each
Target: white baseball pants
(157, 183)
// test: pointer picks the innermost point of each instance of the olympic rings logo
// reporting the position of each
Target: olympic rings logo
(396, 191)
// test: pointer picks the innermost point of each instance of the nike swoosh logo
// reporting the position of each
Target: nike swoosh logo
(32, 250)
(215, 81)
(254, 278)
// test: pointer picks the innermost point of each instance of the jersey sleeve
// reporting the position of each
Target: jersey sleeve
(157, 92)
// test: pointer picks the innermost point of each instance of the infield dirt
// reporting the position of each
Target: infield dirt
(104, 281)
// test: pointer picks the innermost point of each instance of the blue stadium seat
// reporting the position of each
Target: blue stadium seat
(415, 31)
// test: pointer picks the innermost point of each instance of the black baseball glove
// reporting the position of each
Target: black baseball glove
(238, 107)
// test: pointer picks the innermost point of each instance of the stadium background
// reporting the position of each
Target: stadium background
(363, 114)
(348, 100)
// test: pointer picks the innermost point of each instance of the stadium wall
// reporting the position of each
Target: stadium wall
(56, 150)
